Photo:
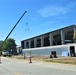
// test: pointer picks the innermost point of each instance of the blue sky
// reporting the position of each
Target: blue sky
(43, 16)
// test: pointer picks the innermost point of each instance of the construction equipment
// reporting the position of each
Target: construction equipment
(11, 32)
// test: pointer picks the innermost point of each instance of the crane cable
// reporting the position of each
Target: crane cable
(27, 26)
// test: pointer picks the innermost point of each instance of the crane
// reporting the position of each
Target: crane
(11, 32)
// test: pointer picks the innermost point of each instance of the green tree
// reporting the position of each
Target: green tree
(9, 44)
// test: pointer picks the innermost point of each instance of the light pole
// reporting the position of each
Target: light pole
(11, 32)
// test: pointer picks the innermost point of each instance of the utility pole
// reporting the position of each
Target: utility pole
(11, 32)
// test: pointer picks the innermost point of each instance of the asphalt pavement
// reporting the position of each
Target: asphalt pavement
(11, 66)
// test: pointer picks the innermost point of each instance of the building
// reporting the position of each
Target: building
(19, 49)
(57, 37)
(51, 41)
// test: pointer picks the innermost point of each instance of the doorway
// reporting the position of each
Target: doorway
(72, 51)
(53, 54)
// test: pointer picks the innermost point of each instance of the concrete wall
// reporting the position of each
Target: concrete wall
(47, 50)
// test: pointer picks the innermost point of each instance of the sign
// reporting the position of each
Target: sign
(64, 53)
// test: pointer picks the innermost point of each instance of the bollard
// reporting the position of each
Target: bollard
(30, 58)
(24, 56)
(0, 59)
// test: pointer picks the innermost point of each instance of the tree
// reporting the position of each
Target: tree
(9, 44)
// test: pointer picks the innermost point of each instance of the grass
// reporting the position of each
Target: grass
(64, 60)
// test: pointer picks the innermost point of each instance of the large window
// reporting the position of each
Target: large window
(57, 40)
(38, 43)
(32, 44)
(27, 44)
(22, 44)
(69, 36)
(46, 41)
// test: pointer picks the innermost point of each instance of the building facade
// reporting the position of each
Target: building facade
(57, 37)
(59, 50)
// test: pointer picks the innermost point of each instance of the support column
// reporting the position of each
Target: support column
(51, 39)
(34, 42)
(62, 37)
(74, 28)
(24, 44)
(42, 41)
(29, 43)
(74, 35)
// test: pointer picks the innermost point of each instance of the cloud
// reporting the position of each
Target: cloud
(52, 11)
(71, 4)
(48, 24)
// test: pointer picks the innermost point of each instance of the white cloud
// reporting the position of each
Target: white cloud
(52, 11)
(71, 4)
(48, 24)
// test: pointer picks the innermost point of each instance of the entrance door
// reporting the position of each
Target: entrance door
(72, 51)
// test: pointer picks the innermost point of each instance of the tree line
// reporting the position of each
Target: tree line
(9, 44)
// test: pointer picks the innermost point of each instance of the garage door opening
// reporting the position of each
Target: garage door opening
(53, 54)
(72, 51)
